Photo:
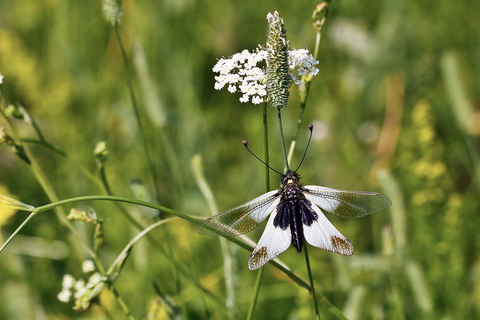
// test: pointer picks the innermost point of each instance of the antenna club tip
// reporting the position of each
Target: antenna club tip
(244, 142)
(310, 127)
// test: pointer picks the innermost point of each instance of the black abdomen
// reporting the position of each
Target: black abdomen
(294, 211)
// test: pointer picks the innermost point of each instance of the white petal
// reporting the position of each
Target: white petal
(322, 234)
(273, 242)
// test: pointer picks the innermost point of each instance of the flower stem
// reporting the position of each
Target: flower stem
(267, 157)
(50, 192)
(32, 214)
(125, 252)
(61, 152)
(143, 135)
(306, 81)
(115, 198)
(256, 290)
(312, 286)
(227, 247)
(282, 139)
(303, 104)
(237, 240)
(122, 303)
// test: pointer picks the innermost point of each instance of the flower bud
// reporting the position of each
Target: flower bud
(279, 79)
(112, 10)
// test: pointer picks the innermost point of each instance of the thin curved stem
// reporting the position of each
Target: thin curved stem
(122, 303)
(124, 254)
(50, 192)
(312, 285)
(237, 240)
(115, 198)
(143, 135)
(61, 152)
(306, 81)
(146, 150)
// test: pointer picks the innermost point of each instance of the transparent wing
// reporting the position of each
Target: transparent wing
(243, 218)
(273, 242)
(322, 234)
(346, 204)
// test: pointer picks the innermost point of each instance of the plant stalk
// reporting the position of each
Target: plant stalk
(258, 281)
(282, 138)
(312, 285)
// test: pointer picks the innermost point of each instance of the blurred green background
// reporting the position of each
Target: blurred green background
(395, 109)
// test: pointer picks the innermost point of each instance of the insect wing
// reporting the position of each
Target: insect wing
(346, 204)
(322, 234)
(273, 242)
(241, 219)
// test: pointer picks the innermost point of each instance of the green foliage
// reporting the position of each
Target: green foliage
(62, 62)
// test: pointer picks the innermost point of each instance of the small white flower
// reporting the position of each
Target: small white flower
(244, 98)
(64, 295)
(69, 284)
(1, 79)
(303, 62)
(80, 292)
(257, 100)
(88, 266)
(68, 281)
(94, 279)
(79, 285)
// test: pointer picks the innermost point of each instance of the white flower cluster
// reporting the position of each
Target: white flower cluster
(78, 286)
(242, 73)
(302, 62)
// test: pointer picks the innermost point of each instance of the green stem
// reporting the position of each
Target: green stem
(156, 244)
(303, 104)
(237, 240)
(32, 214)
(47, 188)
(123, 255)
(312, 285)
(115, 198)
(319, 26)
(228, 269)
(53, 148)
(104, 309)
(267, 157)
(397, 297)
(143, 135)
(153, 178)
(287, 168)
(122, 303)
(306, 81)
(45, 144)
(256, 290)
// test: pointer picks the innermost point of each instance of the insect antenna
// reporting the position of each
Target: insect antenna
(310, 127)
(246, 146)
